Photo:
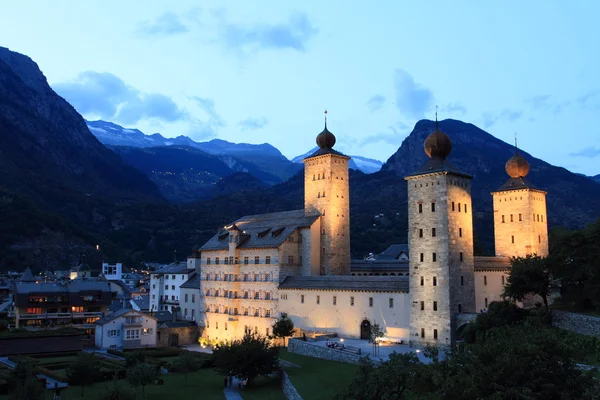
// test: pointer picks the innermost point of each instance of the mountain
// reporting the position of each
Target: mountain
(596, 178)
(378, 201)
(358, 163)
(52, 164)
(269, 164)
(186, 174)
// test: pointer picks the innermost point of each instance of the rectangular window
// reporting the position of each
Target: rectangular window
(113, 333)
(172, 287)
(539, 239)
(246, 260)
(458, 207)
(370, 302)
(435, 334)
(462, 281)
(452, 206)
(433, 207)
(302, 298)
(318, 299)
(465, 208)
(208, 261)
(520, 217)
(432, 232)
(512, 239)
(420, 208)
(422, 281)
(435, 281)
(185, 297)
(217, 260)
(256, 260)
(166, 276)
(503, 219)
(267, 331)
(268, 260)
(511, 218)
(434, 257)
(422, 306)
(460, 308)
(291, 260)
(391, 303)
(485, 280)
(420, 233)
(166, 287)
(423, 333)
(486, 302)
(435, 306)
(461, 255)
(193, 312)
(193, 298)
(503, 280)
(334, 300)
(460, 232)
(422, 256)
(352, 301)
(217, 325)
(542, 218)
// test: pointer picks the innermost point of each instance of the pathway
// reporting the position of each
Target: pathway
(233, 392)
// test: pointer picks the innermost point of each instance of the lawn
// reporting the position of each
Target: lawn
(318, 379)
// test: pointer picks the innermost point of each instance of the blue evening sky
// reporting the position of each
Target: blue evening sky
(264, 71)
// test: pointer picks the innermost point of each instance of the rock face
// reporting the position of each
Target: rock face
(47, 152)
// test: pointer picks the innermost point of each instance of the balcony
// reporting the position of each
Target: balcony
(88, 314)
(170, 302)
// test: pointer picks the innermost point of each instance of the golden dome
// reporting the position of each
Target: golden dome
(517, 167)
(438, 145)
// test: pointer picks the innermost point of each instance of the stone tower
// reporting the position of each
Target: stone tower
(326, 191)
(520, 222)
(440, 238)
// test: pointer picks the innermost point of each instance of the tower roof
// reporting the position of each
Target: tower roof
(27, 276)
(326, 141)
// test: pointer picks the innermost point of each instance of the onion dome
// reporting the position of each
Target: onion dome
(517, 166)
(325, 139)
(438, 144)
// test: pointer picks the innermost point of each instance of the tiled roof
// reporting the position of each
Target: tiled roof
(351, 283)
(174, 268)
(176, 324)
(262, 230)
(492, 263)
(77, 285)
(379, 265)
(192, 283)
(118, 314)
(142, 301)
(323, 151)
(437, 164)
(516, 184)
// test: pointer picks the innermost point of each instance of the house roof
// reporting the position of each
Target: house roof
(142, 301)
(392, 265)
(176, 324)
(351, 283)
(162, 316)
(77, 285)
(173, 268)
(27, 276)
(393, 252)
(192, 283)
(438, 165)
(120, 313)
(262, 230)
(492, 263)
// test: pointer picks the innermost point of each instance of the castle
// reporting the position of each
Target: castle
(298, 262)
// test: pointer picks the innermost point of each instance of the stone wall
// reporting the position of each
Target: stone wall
(584, 324)
(288, 388)
(187, 335)
(312, 350)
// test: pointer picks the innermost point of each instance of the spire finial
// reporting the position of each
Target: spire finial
(436, 120)
(325, 119)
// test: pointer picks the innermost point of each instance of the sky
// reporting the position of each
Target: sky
(265, 71)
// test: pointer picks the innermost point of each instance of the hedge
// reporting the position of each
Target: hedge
(50, 373)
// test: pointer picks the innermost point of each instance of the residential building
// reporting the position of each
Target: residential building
(165, 285)
(126, 329)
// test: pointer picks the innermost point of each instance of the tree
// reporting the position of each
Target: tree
(83, 371)
(283, 327)
(529, 275)
(246, 358)
(134, 358)
(187, 362)
(500, 313)
(142, 374)
(374, 335)
(117, 391)
(25, 383)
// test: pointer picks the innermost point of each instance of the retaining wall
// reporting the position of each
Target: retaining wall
(312, 350)
(289, 390)
(578, 323)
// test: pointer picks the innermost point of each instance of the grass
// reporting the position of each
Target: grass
(318, 379)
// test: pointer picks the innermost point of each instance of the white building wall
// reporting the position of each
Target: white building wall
(343, 317)
(104, 340)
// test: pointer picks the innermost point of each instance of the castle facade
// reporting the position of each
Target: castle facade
(298, 262)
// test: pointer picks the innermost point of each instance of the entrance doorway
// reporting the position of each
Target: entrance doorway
(365, 329)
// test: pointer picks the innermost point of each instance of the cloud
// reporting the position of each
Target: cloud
(590, 100)
(208, 106)
(394, 136)
(589, 152)
(165, 25)
(104, 95)
(454, 108)
(375, 102)
(546, 102)
(253, 123)
(206, 128)
(490, 119)
(412, 99)
(292, 34)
